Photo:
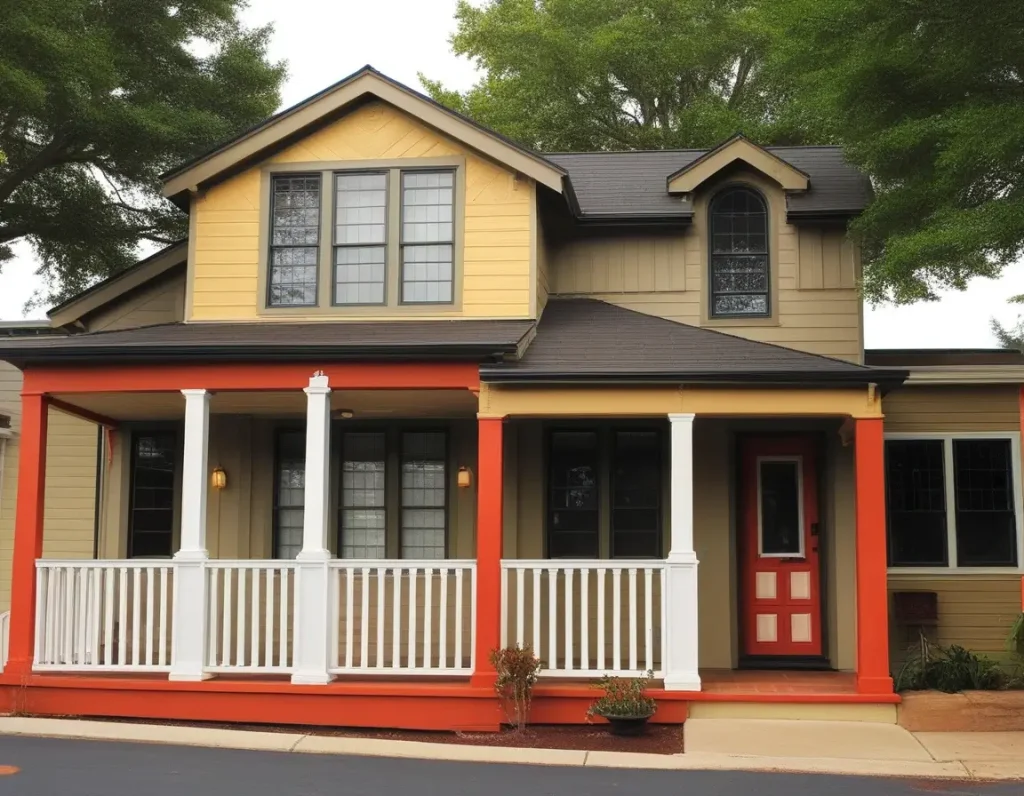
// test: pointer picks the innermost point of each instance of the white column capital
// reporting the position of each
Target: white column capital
(318, 384)
(681, 417)
(196, 393)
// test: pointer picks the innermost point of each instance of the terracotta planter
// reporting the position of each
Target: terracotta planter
(970, 711)
(627, 726)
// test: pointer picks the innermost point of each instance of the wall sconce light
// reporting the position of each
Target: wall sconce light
(344, 414)
(219, 478)
(465, 478)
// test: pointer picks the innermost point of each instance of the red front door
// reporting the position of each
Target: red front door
(781, 604)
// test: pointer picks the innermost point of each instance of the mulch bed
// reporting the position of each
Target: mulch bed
(661, 739)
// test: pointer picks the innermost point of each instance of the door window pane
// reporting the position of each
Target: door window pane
(428, 230)
(636, 494)
(151, 530)
(363, 515)
(916, 503)
(289, 493)
(294, 240)
(779, 502)
(424, 494)
(572, 495)
(986, 525)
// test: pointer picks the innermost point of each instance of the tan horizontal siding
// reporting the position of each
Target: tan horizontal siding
(975, 612)
(952, 409)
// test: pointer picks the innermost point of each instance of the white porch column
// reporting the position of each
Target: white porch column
(190, 610)
(681, 572)
(312, 618)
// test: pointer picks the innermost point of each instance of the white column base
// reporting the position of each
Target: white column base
(313, 634)
(190, 616)
(681, 623)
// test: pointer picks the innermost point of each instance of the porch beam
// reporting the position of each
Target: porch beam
(680, 613)
(84, 414)
(190, 610)
(28, 534)
(489, 508)
(872, 577)
(226, 377)
(312, 651)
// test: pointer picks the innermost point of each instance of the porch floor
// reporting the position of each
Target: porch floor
(747, 681)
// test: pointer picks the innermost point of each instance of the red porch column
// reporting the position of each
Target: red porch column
(872, 588)
(28, 533)
(488, 546)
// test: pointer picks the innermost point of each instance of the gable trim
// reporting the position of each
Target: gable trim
(694, 174)
(288, 124)
(117, 285)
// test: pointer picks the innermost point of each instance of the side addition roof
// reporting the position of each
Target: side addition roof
(581, 340)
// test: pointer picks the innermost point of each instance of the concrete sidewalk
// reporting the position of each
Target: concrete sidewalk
(860, 748)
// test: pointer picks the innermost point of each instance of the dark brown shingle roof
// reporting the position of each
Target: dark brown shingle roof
(585, 339)
(633, 183)
(268, 341)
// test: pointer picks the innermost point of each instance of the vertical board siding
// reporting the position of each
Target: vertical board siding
(69, 508)
(496, 254)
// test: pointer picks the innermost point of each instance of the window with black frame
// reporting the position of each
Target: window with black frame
(739, 254)
(363, 521)
(636, 494)
(573, 463)
(963, 518)
(424, 496)
(152, 490)
(289, 493)
(294, 241)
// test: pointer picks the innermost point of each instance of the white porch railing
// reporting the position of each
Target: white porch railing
(103, 616)
(251, 616)
(403, 617)
(5, 634)
(586, 618)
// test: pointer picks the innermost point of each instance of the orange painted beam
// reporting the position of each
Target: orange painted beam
(872, 575)
(28, 533)
(84, 414)
(489, 507)
(240, 376)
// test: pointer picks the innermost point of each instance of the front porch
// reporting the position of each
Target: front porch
(403, 640)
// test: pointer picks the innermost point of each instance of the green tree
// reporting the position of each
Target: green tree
(97, 98)
(1010, 336)
(618, 74)
(927, 96)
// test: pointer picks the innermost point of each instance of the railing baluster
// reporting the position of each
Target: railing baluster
(570, 605)
(268, 630)
(215, 610)
(535, 574)
(364, 618)
(648, 620)
(78, 652)
(410, 652)
(503, 601)
(442, 629)
(584, 619)
(122, 617)
(254, 624)
(428, 615)
(226, 614)
(108, 617)
(617, 618)
(520, 605)
(69, 615)
(240, 648)
(349, 615)
(458, 618)
(632, 619)
(136, 614)
(396, 619)
(602, 616)
(282, 641)
(150, 591)
(552, 650)
(381, 594)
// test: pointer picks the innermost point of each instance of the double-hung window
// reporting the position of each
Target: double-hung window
(953, 501)
(390, 242)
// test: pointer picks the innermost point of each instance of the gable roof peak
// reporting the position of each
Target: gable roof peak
(737, 147)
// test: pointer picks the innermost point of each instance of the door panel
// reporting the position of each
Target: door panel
(781, 600)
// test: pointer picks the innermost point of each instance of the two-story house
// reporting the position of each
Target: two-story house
(410, 392)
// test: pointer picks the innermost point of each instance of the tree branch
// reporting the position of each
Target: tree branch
(51, 154)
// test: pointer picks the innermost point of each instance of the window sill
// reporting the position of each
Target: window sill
(956, 572)
(712, 323)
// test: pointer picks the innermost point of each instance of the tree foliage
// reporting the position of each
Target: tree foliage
(927, 96)
(618, 74)
(97, 98)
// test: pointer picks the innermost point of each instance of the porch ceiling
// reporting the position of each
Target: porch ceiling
(365, 404)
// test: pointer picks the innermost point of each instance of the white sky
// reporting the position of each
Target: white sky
(324, 40)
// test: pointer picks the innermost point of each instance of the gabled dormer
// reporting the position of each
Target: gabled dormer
(366, 201)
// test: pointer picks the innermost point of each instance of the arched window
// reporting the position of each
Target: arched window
(739, 254)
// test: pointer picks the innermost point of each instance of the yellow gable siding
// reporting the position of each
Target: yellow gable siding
(496, 238)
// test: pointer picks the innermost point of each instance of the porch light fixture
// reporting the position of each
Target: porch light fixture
(219, 478)
(465, 478)
(345, 414)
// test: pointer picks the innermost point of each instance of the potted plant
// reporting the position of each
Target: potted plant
(624, 704)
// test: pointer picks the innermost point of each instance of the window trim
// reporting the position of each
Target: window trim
(709, 278)
(325, 278)
(798, 460)
(947, 438)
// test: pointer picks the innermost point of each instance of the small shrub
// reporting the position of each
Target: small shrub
(624, 697)
(1015, 640)
(949, 669)
(517, 669)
